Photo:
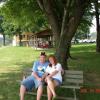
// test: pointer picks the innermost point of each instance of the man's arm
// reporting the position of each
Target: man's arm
(34, 73)
(36, 76)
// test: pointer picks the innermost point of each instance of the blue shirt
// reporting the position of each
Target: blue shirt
(40, 68)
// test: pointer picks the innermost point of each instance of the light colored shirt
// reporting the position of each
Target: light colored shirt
(58, 68)
(39, 67)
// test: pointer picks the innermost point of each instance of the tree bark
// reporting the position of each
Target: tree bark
(46, 6)
(63, 51)
(53, 20)
(20, 38)
(4, 43)
(97, 26)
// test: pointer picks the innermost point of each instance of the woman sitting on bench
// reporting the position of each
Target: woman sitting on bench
(54, 77)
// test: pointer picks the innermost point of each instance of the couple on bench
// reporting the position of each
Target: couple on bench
(43, 72)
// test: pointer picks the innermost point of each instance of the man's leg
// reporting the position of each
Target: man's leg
(39, 92)
(49, 93)
(22, 92)
(28, 84)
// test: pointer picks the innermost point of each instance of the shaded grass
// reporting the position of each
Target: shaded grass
(14, 59)
(88, 61)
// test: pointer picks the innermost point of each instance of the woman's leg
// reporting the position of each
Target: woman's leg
(49, 93)
(39, 92)
(51, 86)
(55, 83)
(22, 92)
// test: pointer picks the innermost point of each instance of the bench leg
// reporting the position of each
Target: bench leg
(74, 93)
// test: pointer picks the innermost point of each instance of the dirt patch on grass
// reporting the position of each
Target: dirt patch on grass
(92, 79)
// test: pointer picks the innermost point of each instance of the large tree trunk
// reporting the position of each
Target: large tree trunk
(97, 26)
(63, 51)
(65, 28)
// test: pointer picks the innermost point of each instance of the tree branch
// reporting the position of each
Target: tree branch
(78, 13)
(40, 3)
(66, 15)
(53, 19)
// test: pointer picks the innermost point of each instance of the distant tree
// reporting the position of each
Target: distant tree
(84, 27)
(2, 30)
(97, 14)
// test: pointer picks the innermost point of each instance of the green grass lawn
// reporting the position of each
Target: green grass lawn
(14, 59)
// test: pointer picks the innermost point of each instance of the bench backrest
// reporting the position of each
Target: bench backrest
(73, 77)
(70, 77)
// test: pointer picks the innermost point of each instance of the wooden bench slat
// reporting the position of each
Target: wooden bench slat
(71, 86)
(58, 97)
(71, 83)
(34, 93)
(73, 76)
(73, 72)
(78, 81)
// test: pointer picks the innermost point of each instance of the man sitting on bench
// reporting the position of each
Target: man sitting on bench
(35, 79)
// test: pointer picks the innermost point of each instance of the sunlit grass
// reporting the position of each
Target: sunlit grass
(12, 62)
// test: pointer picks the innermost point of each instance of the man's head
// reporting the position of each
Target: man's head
(42, 57)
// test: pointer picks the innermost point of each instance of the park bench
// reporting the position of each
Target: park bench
(72, 79)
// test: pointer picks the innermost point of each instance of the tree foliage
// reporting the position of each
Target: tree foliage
(24, 14)
(83, 29)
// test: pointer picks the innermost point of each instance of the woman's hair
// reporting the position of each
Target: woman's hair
(54, 59)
